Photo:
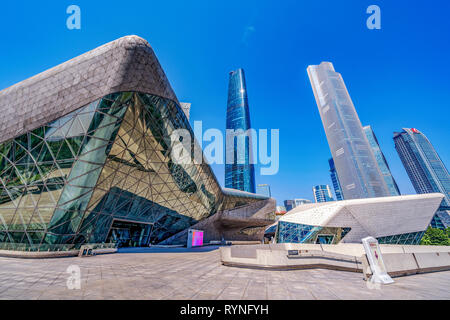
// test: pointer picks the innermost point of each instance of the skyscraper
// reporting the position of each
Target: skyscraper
(381, 160)
(299, 202)
(263, 189)
(289, 204)
(355, 163)
(239, 172)
(322, 193)
(425, 168)
(335, 180)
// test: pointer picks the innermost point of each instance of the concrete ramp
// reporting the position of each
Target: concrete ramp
(399, 260)
(288, 257)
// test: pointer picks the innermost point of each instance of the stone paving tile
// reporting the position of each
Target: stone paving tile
(197, 275)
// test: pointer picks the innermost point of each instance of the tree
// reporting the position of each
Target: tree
(436, 237)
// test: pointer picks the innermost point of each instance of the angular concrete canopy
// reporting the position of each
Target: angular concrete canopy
(126, 64)
(376, 217)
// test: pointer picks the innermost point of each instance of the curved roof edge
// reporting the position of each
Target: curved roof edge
(245, 194)
(125, 64)
(321, 214)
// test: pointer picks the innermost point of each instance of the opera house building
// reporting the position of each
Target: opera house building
(85, 158)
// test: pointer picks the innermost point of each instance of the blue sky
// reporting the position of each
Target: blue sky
(397, 76)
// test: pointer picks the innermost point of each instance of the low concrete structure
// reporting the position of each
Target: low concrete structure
(403, 264)
(391, 220)
(38, 254)
(290, 256)
(399, 260)
(52, 254)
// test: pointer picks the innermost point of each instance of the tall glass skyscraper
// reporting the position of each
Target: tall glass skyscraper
(322, 193)
(381, 160)
(335, 180)
(240, 173)
(355, 162)
(425, 168)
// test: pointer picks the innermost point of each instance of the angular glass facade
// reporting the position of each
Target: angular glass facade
(405, 238)
(104, 173)
(288, 232)
(239, 171)
(441, 219)
(425, 169)
(381, 160)
(355, 162)
(335, 180)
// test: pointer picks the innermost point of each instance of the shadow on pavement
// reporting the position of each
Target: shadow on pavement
(167, 250)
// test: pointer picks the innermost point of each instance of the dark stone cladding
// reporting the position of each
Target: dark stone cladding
(126, 64)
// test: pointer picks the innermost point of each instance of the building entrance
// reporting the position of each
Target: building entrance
(129, 234)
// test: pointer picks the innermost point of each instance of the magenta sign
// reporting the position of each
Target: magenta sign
(197, 238)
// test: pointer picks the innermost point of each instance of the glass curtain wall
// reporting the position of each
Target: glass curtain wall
(67, 181)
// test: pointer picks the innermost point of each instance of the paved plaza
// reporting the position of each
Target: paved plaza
(196, 274)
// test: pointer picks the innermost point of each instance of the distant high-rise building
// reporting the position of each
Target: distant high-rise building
(381, 160)
(263, 189)
(354, 160)
(425, 169)
(335, 180)
(322, 193)
(289, 205)
(240, 173)
(299, 202)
